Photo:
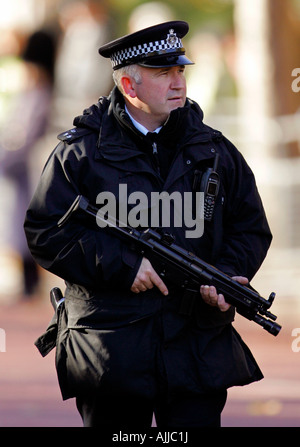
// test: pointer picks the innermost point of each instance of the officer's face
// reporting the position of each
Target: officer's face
(159, 91)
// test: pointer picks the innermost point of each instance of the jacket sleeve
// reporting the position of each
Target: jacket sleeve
(246, 234)
(75, 252)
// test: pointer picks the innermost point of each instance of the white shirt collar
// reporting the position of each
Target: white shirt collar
(138, 125)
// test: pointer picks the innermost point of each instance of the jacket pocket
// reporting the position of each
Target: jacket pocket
(229, 361)
(113, 361)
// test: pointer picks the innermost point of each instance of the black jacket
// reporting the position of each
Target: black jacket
(103, 151)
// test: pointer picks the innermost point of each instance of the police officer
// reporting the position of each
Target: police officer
(124, 350)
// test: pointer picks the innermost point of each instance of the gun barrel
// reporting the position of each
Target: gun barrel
(270, 326)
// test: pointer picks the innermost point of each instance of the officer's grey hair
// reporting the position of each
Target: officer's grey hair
(130, 70)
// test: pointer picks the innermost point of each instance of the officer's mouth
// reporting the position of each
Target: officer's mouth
(176, 100)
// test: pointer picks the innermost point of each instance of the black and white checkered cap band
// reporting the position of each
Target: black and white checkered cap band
(120, 56)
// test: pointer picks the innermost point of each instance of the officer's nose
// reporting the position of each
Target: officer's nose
(178, 81)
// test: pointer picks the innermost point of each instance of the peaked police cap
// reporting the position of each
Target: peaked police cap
(157, 46)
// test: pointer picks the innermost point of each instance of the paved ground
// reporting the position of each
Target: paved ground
(30, 397)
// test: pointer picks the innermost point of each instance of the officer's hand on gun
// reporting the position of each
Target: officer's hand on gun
(147, 278)
(211, 297)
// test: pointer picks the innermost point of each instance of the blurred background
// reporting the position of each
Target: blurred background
(247, 81)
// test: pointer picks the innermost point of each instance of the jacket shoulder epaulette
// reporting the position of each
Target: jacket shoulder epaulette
(216, 135)
(73, 134)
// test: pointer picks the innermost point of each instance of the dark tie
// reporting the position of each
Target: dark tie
(152, 136)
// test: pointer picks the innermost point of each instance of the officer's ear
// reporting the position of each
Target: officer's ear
(128, 86)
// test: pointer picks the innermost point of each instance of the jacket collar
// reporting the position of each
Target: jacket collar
(189, 118)
(120, 141)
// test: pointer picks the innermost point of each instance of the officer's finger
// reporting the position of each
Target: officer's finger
(209, 295)
(222, 304)
(158, 282)
(241, 279)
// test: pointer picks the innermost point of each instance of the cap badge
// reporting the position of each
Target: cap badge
(171, 38)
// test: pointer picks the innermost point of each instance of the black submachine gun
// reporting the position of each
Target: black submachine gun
(184, 269)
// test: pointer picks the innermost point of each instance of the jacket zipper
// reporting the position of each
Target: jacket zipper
(155, 155)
